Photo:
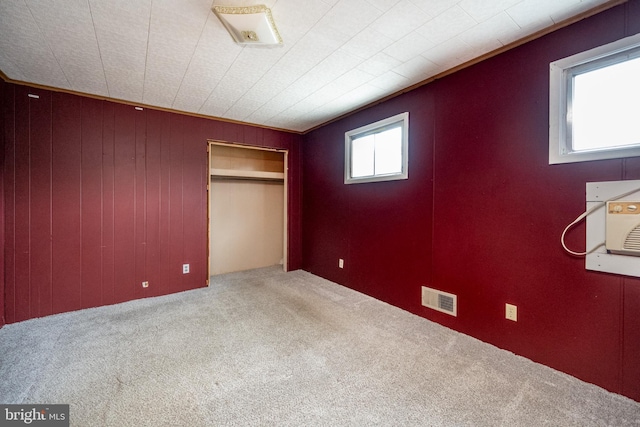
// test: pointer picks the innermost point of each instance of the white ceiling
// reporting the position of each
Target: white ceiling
(338, 55)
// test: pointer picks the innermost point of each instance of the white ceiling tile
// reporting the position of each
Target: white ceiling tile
(204, 72)
(418, 66)
(225, 94)
(86, 77)
(215, 43)
(447, 25)
(324, 32)
(131, 17)
(10, 68)
(409, 47)
(318, 98)
(302, 108)
(329, 70)
(531, 15)
(328, 93)
(350, 80)
(120, 60)
(390, 81)
(131, 43)
(340, 18)
(157, 92)
(448, 54)
(481, 10)
(16, 20)
(242, 109)
(192, 97)
(367, 43)
(169, 74)
(355, 98)
(305, 55)
(45, 70)
(337, 54)
(70, 14)
(475, 47)
(434, 8)
(217, 108)
(570, 8)
(383, 5)
(172, 26)
(125, 83)
(379, 64)
(37, 63)
(500, 27)
(293, 21)
(400, 20)
(261, 116)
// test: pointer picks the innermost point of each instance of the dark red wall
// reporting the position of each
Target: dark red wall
(482, 212)
(99, 197)
(2, 135)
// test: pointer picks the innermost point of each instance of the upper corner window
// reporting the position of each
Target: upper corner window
(595, 104)
(378, 152)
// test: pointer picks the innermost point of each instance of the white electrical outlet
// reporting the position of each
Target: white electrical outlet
(511, 312)
(185, 268)
(145, 284)
(341, 263)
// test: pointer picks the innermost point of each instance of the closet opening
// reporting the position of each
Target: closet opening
(247, 212)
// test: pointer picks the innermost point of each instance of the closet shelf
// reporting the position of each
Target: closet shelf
(247, 174)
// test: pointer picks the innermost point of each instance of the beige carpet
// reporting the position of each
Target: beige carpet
(270, 348)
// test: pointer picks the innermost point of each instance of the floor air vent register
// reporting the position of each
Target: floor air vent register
(440, 301)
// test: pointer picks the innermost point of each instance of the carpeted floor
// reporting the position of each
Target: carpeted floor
(270, 348)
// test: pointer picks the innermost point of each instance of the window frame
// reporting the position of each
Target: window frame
(561, 73)
(374, 128)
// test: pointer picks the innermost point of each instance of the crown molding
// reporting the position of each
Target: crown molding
(137, 104)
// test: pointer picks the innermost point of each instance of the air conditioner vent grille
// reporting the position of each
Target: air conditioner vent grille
(440, 301)
(633, 240)
(445, 302)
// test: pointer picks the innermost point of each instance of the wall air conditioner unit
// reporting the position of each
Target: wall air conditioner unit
(623, 228)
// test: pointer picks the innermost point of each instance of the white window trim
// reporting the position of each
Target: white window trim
(350, 135)
(560, 150)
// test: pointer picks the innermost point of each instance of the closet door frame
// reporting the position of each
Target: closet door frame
(285, 237)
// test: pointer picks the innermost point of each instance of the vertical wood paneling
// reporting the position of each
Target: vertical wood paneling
(140, 197)
(124, 202)
(152, 260)
(194, 206)
(66, 204)
(481, 214)
(40, 194)
(99, 197)
(165, 202)
(176, 207)
(3, 97)
(108, 205)
(22, 210)
(91, 202)
(9, 181)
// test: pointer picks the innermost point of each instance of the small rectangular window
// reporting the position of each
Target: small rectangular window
(595, 104)
(378, 152)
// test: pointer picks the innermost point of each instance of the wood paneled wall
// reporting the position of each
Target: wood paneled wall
(3, 88)
(100, 196)
(482, 213)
